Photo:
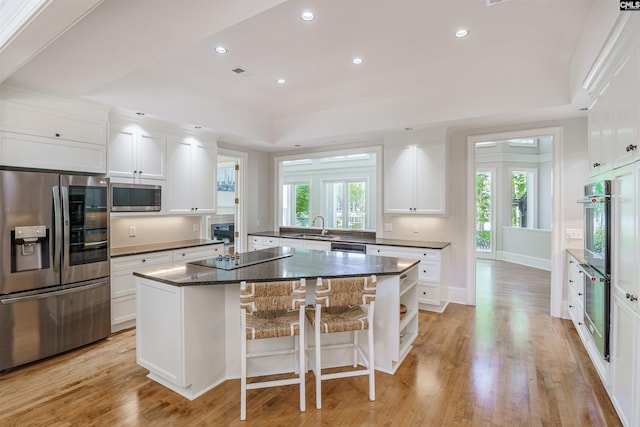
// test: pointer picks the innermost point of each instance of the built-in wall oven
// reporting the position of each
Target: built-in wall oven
(597, 270)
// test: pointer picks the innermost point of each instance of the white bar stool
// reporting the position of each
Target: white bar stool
(339, 307)
(272, 310)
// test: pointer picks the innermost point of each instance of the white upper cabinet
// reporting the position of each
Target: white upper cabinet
(136, 154)
(38, 131)
(614, 118)
(415, 178)
(192, 167)
(626, 95)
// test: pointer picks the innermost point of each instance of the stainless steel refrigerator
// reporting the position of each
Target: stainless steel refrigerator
(54, 266)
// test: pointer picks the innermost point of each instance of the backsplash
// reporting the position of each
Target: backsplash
(152, 229)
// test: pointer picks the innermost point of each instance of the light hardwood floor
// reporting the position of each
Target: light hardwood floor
(505, 362)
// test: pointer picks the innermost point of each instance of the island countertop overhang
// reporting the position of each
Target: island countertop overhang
(302, 263)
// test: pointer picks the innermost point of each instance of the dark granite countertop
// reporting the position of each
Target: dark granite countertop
(303, 263)
(358, 237)
(165, 246)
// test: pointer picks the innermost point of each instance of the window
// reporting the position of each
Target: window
(339, 185)
(295, 207)
(522, 199)
(352, 214)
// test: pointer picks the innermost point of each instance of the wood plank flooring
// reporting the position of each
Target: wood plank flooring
(505, 362)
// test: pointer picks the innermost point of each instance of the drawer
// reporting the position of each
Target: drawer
(138, 262)
(429, 294)
(429, 271)
(271, 241)
(422, 254)
(256, 240)
(197, 253)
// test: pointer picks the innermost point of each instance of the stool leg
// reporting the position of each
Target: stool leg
(302, 363)
(318, 351)
(355, 349)
(372, 370)
(243, 369)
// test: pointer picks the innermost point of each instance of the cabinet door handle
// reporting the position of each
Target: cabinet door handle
(631, 297)
(631, 147)
(595, 165)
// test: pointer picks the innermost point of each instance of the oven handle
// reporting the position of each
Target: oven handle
(592, 275)
(595, 199)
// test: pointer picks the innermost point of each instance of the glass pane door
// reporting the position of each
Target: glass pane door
(88, 218)
(484, 211)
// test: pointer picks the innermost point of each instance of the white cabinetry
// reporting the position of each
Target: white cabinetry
(415, 178)
(192, 176)
(625, 363)
(136, 154)
(51, 133)
(263, 242)
(180, 335)
(626, 209)
(575, 279)
(123, 283)
(614, 118)
(432, 293)
(197, 253)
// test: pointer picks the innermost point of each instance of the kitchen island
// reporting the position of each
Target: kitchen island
(188, 324)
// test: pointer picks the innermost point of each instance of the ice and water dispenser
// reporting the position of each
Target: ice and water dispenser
(30, 248)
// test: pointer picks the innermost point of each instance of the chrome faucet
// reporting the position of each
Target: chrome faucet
(313, 223)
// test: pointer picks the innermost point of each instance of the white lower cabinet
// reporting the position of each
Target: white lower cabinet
(123, 283)
(575, 280)
(432, 293)
(625, 366)
(263, 242)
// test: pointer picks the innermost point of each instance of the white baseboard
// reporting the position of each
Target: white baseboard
(541, 263)
(458, 295)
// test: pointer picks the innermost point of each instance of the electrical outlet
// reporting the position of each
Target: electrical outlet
(257, 223)
(196, 227)
(132, 231)
(388, 226)
(415, 228)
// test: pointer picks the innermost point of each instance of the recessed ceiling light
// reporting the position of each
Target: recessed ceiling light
(408, 129)
(357, 61)
(281, 81)
(140, 113)
(221, 50)
(197, 127)
(307, 15)
(461, 33)
(297, 145)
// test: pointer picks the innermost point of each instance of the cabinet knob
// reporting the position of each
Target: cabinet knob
(144, 260)
(580, 323)
(139, 173)
(579, 294)
(595, 165)
(135, 173)
(570, 281)
(570, 306)
(57, 135)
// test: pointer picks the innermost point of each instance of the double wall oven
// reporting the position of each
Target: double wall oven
(597, 269)
(54, 266)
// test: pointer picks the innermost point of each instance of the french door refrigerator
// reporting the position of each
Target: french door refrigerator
(54, 264)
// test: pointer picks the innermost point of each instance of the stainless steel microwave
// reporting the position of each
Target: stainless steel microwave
(135, 197)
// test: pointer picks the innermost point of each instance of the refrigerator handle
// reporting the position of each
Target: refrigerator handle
(57, 225)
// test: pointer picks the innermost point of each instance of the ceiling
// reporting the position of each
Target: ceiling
(157, 56)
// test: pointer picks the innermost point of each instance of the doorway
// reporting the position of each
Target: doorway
(511, 211)
(229, 223)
